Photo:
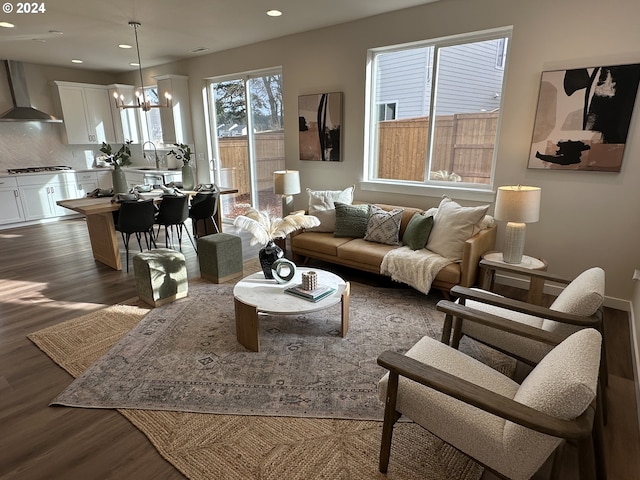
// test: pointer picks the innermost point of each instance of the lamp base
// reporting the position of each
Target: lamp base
(287, 205)
(514, 242)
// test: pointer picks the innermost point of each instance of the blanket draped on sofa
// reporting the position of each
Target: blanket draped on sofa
(416, 268)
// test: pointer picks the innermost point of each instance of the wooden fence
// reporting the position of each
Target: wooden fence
(234, 157)
(463, 145)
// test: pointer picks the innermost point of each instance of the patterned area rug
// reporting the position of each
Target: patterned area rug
(184, 356)
(234, 447)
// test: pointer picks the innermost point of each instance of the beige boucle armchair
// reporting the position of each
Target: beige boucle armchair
(511, 429)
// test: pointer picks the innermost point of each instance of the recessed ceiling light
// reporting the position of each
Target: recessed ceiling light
(6, 25)
(75, 60)
(134, 64)
(56, 32)
(124, 45)
(199, 50)
(41, 40)
(274, 13)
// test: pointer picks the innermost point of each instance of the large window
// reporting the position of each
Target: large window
(151, 123)
(458, 82)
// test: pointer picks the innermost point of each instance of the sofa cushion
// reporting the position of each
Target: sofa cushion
(417, 232)
(452, 226)
(322, 242)
(322, 206)
(362, 251)
(383, 226)
(351, 220)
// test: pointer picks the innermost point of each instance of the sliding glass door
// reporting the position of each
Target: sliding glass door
(247, 139)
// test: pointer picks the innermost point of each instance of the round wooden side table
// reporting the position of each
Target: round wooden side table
(536, 285)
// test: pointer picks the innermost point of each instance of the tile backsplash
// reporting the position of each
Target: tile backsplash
(33, 144)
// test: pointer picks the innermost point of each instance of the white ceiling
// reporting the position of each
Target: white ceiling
(170, 29)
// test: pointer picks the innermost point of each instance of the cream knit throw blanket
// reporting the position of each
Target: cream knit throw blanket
(416, 268)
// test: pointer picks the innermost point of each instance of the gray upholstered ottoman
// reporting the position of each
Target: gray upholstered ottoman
(161, 276)
(220, 257)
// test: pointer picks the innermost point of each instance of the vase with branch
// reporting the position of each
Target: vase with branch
(265, 228)
(182, 153)
(120, 158)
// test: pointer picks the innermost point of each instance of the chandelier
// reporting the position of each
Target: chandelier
(142, 100)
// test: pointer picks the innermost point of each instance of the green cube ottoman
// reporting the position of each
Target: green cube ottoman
(161, 276)
(220, 257)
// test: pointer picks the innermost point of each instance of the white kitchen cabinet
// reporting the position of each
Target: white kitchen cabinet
(10, 205)
(105, 180)
(86, 182)
(176, 121)
(86, 111)
(39, 194)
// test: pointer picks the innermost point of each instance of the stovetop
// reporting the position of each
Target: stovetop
(56, 168)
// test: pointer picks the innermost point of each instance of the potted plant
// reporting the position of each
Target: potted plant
(183, 152)
(121, 158)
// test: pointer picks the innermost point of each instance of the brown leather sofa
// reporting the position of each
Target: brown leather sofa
(367, 256)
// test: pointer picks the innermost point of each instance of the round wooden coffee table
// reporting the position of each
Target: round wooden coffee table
(254, 295)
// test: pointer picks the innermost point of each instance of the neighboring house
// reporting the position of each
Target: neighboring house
(405, 80)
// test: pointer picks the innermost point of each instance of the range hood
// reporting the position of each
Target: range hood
(22, 110)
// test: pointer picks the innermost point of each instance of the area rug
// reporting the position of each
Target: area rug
(184, 356)
(232, 447)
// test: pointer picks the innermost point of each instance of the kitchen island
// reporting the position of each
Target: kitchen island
(102, 230)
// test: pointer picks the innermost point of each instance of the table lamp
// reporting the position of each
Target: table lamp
(517, 205)
(287, 184)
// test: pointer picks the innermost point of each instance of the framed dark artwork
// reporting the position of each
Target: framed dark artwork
(583, 118)
(320, 125)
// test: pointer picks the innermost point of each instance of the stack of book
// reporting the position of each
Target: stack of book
(315, 295)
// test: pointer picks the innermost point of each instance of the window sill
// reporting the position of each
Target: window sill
(456, 193)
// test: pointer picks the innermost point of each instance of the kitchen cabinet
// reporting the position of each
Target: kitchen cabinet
(176, 121)
(86, 111)
(39, 194)
(104, 178)
(10, 205)
(86, 182)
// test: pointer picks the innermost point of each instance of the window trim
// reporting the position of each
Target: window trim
(469, 191)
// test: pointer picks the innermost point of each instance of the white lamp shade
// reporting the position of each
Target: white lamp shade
(519, 204)
(286, 182)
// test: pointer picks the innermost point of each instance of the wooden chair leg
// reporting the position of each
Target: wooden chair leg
(597, 439)
(446, 329)
(556, 464)
(586, 460)
(391, 416)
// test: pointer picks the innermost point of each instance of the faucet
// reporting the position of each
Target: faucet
(155, 153)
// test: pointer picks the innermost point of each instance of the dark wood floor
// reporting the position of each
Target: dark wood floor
(48, 275)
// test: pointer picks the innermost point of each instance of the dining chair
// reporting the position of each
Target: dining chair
(204, 207)
(172, 213)
(137, 218)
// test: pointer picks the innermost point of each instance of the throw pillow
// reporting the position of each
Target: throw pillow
(383, 226)
(417, 232)
(351, 220)
(452, 226)
(321, 205)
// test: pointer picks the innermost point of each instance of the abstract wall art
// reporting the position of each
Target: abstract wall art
(320, 125)
(583, 118)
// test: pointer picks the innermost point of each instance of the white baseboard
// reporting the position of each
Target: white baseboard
(612, 302)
